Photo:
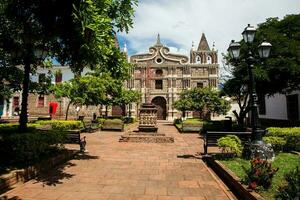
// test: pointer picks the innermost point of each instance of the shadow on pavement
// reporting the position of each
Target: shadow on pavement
(84, 156)
(12, 198)
(56, 175)
(188, 156)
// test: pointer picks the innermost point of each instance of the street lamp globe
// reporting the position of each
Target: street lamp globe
(249, 33)
(264, 49)
(234, 49)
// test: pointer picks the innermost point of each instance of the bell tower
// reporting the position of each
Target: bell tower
(203, 54)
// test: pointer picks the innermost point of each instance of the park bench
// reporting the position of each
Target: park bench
(210, 137)
(89, 126)
(74, 138)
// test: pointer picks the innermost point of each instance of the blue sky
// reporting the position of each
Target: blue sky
(180, 22)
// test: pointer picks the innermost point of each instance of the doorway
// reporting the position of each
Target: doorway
(161, 105)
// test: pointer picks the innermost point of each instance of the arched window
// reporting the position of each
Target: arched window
(209, 59)
(198, 59)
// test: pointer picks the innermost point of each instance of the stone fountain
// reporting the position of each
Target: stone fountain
(147, 130)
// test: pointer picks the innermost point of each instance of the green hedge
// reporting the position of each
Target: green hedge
(113, 122)
(62, 125)
(10, 128)
(291, 135)
(277, 143)
(221, 125)
(23, 149)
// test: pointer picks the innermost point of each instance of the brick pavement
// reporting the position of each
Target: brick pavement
(113, 170)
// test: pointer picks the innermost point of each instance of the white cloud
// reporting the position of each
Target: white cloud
(180, 22)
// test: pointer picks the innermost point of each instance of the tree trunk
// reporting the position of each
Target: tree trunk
(100, 110)
(240, 118)
(25, 90)
(67, 111)
(106, 111)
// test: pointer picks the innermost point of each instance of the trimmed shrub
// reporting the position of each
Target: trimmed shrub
(230, 143)
(128, 120)
(291, 189)
(101, 120)
(13, 128)
(276, 142)
(62, 125)
(177, 121)
(291, 135)
(23, 149)
(212, 126)
(221, 125)
(260, 174)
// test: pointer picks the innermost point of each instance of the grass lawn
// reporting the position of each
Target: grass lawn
(193, 121)
(284, 161)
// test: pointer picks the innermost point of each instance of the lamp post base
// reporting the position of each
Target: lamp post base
(258, 149)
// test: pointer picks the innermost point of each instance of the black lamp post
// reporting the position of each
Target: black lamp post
(264, 49)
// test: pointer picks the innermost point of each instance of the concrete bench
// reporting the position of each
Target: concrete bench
(211, 137)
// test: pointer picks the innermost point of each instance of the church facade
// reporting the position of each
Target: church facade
(161, 76)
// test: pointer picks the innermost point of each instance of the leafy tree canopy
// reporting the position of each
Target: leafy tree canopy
(281, 71)
(80, 33)
(202, 100)
(85, 90)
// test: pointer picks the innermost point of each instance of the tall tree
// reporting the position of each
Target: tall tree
(79, 33)
(22, 38)
(127, 97)
(85, 90)
(278, 74)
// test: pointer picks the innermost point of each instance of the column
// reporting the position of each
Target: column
(10, 109)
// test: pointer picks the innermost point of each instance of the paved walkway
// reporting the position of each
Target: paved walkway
(113, 170)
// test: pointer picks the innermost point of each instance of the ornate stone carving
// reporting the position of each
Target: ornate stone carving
(148, 116)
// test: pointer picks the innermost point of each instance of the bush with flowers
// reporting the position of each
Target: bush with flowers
(260, 173)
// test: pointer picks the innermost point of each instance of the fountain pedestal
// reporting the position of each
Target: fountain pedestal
(148, 118)
(147, 129)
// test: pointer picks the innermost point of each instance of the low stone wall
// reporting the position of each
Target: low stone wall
(24, 175)
(146, 138)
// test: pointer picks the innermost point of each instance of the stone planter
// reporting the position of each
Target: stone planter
(233, 182)
(28, 173)
(113, 125)
(191, 127)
